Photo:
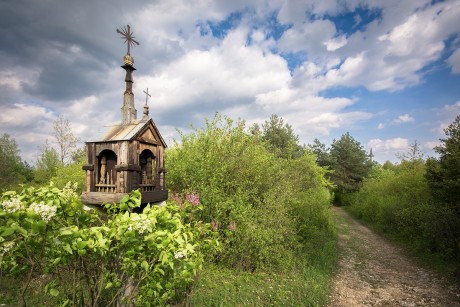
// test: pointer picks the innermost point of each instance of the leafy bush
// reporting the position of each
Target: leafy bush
(71, 172)
(147, 258)
(263, 206)
(397, 203)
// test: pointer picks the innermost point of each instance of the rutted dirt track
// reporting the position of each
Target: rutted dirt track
(374, 272)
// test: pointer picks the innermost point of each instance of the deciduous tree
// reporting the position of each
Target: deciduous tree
(47, 164)
(12, 169)
(413, 160)
(65, 139)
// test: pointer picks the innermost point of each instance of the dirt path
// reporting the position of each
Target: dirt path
(374, 272)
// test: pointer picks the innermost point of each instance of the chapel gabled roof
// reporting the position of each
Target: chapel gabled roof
(127, 132)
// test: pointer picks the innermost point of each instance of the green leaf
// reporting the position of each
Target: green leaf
(160, 270)
(123, 206)
(65, 232)
(68, 249)
(8, 231)
(57, 260)
(82, 244)
(54, 292)
(108, 285)
(19, 229)
(38, 226)
(145, 265)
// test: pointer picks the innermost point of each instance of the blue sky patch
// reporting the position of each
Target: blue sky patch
(350, 22)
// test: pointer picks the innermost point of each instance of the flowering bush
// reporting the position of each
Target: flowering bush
(45, 212)
(12, 205)
(263, 207)
(149, 257)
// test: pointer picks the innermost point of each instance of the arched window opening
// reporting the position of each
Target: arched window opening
(147, 174)
(107, 177)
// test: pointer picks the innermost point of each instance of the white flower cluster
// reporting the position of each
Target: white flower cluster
(12, 205)
(44, 211)
(6, 247)
(179, 255)
(139, 223)
(69, 191)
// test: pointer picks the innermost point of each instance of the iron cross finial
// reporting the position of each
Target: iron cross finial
(147, 95)
(127, 34)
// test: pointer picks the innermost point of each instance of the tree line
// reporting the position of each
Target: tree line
(60, 163)
(260, 194)
(254, 202)
(417, 197)
(416, 200)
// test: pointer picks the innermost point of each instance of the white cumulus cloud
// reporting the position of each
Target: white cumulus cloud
(406, 118)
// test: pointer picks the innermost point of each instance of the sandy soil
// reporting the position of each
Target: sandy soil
(374, 272)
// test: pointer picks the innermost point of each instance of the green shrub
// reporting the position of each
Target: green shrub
(397, 203)
(147, 258)
(273, 203)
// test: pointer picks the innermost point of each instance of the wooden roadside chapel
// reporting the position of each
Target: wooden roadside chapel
(127, 155)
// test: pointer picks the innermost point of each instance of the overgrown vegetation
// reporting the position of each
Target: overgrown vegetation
(417, 201)
(60, 163)
(13, 170)
(271, 212)
(86, 259)
(251, 206)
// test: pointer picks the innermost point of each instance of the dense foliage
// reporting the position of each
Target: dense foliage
(57, 163)
(443, 176)
(272, 206)
(397, 202)
(87, 259)
(417, 200)
(346, 162)
(279, 138)
(12, 169)
(349, 162)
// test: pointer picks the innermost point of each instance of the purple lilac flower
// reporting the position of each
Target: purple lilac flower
(215, 225)
(176, 197)
(232, 226)
(193, 198)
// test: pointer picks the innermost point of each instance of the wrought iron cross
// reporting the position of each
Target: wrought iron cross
(127, 34)
(147, 95)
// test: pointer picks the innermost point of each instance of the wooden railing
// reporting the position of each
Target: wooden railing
(106, 184)
(147, 184)
(149, 187)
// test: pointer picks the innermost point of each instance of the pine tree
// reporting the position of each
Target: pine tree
(349, 162)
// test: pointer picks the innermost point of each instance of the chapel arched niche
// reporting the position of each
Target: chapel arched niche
(147, 174)
(106, 175)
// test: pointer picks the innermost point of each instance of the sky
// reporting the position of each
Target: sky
(387, 72)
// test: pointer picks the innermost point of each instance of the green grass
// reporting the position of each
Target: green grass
(307, 284)
(11, 292)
